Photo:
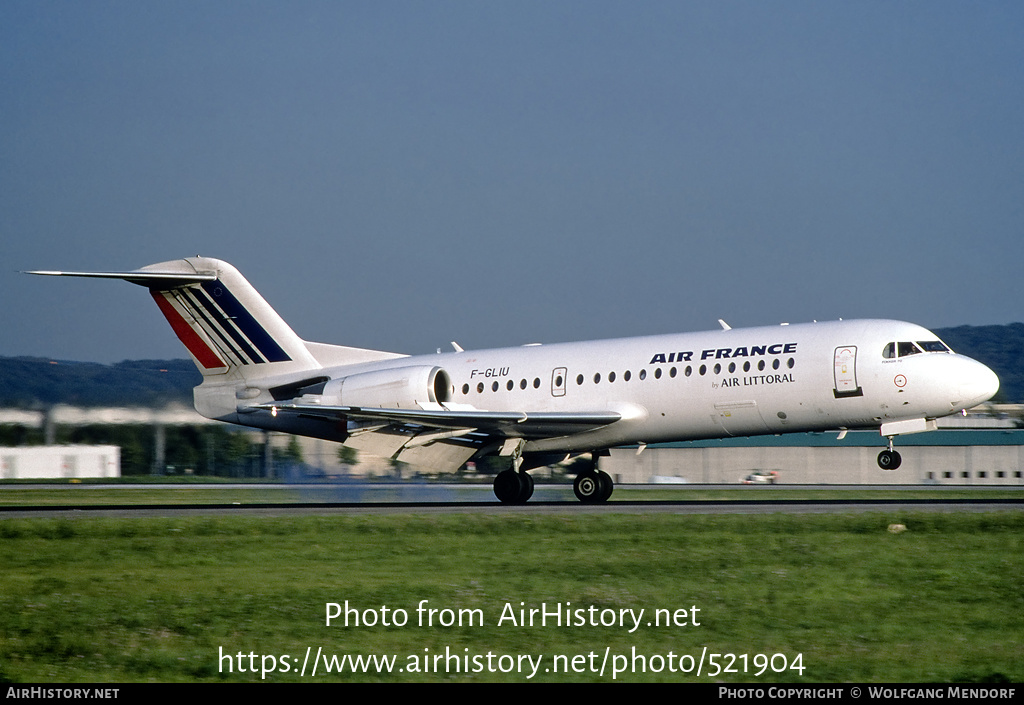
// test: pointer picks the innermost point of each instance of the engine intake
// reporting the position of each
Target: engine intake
(396, 388)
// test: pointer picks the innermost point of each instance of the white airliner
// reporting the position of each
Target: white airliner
(538, 404)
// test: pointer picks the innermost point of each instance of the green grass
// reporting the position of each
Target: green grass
(96, 599)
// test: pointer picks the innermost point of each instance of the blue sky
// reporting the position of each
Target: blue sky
(396, 175)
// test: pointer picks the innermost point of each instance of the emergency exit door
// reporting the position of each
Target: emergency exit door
(558, 382)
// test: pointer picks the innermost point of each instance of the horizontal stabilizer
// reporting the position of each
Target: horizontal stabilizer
(151, 279)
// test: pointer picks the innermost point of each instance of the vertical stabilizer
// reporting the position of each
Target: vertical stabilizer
(224, 322)
(228, 328)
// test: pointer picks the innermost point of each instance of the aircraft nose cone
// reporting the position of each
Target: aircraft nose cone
(977, 384)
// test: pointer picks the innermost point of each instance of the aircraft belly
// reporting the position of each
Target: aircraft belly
(619, 433)
(739, 418)
(323, 428)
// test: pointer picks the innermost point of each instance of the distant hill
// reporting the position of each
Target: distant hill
(26, 382)
(999, 347)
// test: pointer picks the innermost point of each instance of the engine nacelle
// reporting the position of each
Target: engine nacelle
(396, 388)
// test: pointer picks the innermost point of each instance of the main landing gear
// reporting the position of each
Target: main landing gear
(593, 486)
(515, 486)
(889, 459)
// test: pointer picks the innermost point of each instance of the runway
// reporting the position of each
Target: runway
(412, 498)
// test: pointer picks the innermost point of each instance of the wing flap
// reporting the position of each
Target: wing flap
(513, 424)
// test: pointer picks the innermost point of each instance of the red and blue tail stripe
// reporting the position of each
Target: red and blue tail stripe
(216, 327)
(196, 343)
(236, 319)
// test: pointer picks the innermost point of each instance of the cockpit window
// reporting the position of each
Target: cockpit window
(907, 348)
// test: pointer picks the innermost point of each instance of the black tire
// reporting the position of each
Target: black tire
(607, 485)
(587, 487)
(889, 460)
(508, 486)
(526, 490)
(593, 487)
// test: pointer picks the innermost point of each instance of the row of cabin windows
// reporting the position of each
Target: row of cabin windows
(627, 375)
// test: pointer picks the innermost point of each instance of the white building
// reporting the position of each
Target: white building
(60, 462)
(944, 457)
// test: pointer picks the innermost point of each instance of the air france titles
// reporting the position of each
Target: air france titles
(726, 353)
(743, 351)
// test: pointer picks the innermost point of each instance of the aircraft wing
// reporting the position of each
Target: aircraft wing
(507, 424)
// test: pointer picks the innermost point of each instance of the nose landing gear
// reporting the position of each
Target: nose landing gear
(889, 459)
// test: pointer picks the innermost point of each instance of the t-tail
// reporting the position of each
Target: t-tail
(236, 339)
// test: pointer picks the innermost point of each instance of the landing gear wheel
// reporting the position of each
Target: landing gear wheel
(593, 487)
(889, 460)
(527, 487)
(508, 487)
(511, 487)
(587, 487)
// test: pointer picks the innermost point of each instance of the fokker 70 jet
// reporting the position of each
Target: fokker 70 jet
(539, 404)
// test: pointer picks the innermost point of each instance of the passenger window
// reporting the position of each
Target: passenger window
(672, 372)
(579, 379)
(626, 375)
(643, 375)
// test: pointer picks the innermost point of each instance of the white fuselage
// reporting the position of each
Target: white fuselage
(773, 379)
